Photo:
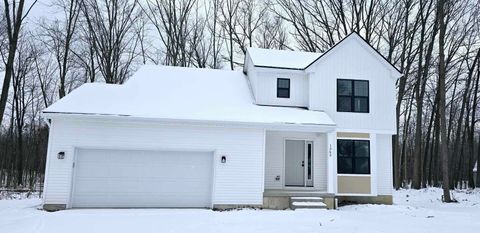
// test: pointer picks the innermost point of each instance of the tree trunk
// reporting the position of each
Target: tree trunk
(13, 31)
(442, 91)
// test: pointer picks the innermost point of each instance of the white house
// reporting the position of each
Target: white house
(291, 129)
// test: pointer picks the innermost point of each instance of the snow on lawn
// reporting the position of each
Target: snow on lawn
(414, 211)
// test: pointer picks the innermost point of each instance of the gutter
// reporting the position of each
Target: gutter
(306, 127)
(47, 120)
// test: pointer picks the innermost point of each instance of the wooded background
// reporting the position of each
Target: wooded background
(435, 44)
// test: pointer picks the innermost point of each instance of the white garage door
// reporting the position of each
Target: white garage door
(120, 178)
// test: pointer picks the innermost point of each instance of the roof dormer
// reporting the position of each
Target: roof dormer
(277, 77)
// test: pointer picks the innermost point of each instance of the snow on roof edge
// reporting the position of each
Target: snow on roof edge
(277, 58)
(101, 115)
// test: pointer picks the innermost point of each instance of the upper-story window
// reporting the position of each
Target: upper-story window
(283, 88)
(352, 95)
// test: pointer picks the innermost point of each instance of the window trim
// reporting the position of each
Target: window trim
(352, 96)
(353, 158)
(283, 88)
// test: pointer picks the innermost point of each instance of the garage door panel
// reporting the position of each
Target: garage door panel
(114, 178)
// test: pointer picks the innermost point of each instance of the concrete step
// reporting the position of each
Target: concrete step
(306, 199)
(308, 205)
(307, 202)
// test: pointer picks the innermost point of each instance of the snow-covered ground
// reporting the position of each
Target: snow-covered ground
(414, 211)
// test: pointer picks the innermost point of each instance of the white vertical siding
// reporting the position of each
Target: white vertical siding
(384, 164)
(352, 59)
(265, 87)
(274, 158)
(239, 181)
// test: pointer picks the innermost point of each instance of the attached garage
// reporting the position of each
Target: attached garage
(141, 178)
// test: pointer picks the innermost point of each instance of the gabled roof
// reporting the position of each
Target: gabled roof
(298, 60)
(179, 93)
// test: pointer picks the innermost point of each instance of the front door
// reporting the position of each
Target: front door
(298, 163)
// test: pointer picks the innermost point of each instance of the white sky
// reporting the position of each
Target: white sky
(2, 74)
(41, 9)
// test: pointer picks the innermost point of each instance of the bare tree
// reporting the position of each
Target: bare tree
(241, 20)
(229, 24)
(85, 53)
(60, 36)
(171, 20)
(203, 40)
(441, 100)
(14, 14)
(272, 33)
(426, 9)
(250, 17)
(110, 24)
(44, 69)
(22, 99)
(318, 25)
(215, 33)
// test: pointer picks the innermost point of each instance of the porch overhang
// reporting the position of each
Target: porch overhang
(320, 128)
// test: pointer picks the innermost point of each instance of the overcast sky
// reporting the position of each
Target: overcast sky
(43, 8)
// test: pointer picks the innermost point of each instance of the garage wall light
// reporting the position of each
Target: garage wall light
(224, 159)
(61, 155)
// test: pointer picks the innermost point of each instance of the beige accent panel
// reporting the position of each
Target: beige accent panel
(380, 199)
(354, 184)
(352, 135)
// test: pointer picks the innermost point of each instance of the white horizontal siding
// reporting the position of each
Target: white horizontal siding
(274, 158)
(384, 164)
(239, 181)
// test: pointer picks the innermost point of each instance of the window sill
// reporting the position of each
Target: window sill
(352, 112)
(343, 174)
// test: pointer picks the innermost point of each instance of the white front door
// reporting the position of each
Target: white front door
(298, 163)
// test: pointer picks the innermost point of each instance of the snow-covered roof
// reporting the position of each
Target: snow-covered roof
(298, 60)
(180, 93)
(281, 58)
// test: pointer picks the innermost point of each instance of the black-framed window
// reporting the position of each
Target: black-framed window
(352, 95)
(353, 156)
(283, 88)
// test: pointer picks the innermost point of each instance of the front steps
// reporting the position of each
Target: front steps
(281, 199)
(307, 203)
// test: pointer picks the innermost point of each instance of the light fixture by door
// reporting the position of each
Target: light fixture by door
(61, 155)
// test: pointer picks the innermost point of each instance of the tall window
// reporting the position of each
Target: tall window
(352, 95)
(353, 156)
(283, 88)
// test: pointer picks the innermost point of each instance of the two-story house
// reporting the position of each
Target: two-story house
(293, 129)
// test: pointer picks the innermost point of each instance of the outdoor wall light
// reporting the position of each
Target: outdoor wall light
(61, 155)
(224, 159)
